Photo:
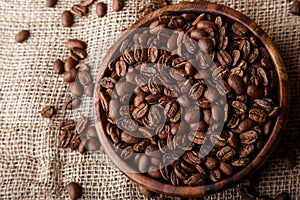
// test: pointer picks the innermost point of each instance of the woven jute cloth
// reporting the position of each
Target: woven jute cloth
(32, 167)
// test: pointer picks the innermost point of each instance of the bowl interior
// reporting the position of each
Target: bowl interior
(260, 158)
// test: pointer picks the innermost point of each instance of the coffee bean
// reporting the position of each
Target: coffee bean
(248, 137)
(210, 163)
(237, 84)
(63, 141)
(75, 43)
(67, 18)
(91, 132)
(72, 103)
(89, 90)
(86, 2)
(47, 111)
(82, 146)
(225, 168)
(74, 190)
(70, 64)
(140, 111)
(195, 179)
(248, 193)
(258, 115)
(58, 66)
(295, 8)
(22, 36)
(117, 5)
(81, 125)
(50, 3)
(143, 164)
(192, 115)
(70, 76)
(93, 144)
(225, 154)
(146, 193)
(84, 78)
(67, 125)
(79, 10)
(283, 196)
(289, 159)
(239, 29)
(76, 89)
(78, 54)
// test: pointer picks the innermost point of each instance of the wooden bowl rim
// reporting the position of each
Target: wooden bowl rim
(261, 157)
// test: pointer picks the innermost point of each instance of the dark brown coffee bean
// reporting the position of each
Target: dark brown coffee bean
(74, 190)
(86, 2)
(283, 196)
(245, 48)
(81, 125)
(84, 78)
(67, 18)
(289, 159)
(76, 89)
(82, 146)
(70, 76)
(239, 29)
(108, 82)
(246, 150)
(79, 10)
(91, 132)
(140, 111)
(226, 168)
(22, 36)
(195, 179)
(64, 139)
(248, 193)
(226, 153)
(93, 144)
(245, 125)
(50, 3)
(215, 175)
(211, 163)
(240, 162)
(217, 140)
(118, 5)
(146, 193)
(197, 91)
(47, 111)
(255, 92)
(75, 43)
(70, 64)
(58, 66)
(205, 44)
(258, 115)
(295, 8)
(89, 90)
(248, 137)
(237, 84)
(224, 58)
(192, 158)
(171, 109)
(67, 125)
(78, 54)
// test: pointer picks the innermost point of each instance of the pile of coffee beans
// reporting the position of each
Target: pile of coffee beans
(193, 104)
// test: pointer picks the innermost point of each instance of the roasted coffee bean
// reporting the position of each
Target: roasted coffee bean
(211, 163)
(79, 10)
(50, 3)
(255, 92)
(233, 140)
(240, 162)
(289, 158)
(84, 78)
(76, 89)
(47, 111)
(258, 115)
(72, 103)
(93, 144)
(245, 125)
(197, 91)
(67, 18)
(192, 115)
(91, 132)
(295, 8)
(89, 90)
(108, 82)
(74, 190)
(237, 84)
(226, 153)
(195, 179)
(248, 137)
(171, 109)
(127, 153)
(225, 168)
(76, 43)
(58, 66)
(22, 36)
(78, 54)
(143, 164)
(140, 111)
(75, 142)
(248, 193)
(67, 125)
(239, 29)
(70, 64)
(86, 2)
(283, 196)
(63, 141)
(246, 150)
(224, 58)
(217, 140)
(82, 146)
(81, 125)
(117, 5)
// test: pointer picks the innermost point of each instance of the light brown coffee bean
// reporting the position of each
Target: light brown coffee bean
(74, 190)
(58, 66)
(118, 5)
(78, 54)
(22, 36)
(79, 10)
(67, 18)
(50, 3)
(76, 89)
(47, 111)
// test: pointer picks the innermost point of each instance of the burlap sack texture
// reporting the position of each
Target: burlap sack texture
(32, 167)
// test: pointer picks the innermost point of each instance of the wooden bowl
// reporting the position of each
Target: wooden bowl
(263, 154)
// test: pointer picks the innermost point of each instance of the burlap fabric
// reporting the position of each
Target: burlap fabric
(32, 167)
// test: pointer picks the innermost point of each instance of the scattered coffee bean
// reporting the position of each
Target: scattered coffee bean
(82, 146)
(79, 10)
(76, 89)
(51, 3)
(86, 2)
(74, 190)
(75, 43)
(72, 103)
(89, 90)
(91, 132)
(68, 125)
(93, 144)
(101, 9)
(81, 125)
(118, 5)
(70, 76)
(64, 139)
(70, 64)
(47, 111)
(58, 66)
(289, 158)
(78, 54)
(84, 78)
(295, 8)
(67, 18)
(283, 196)
(22, 36)
(75, 142)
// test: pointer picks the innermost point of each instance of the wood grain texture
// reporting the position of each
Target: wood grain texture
(283, 99)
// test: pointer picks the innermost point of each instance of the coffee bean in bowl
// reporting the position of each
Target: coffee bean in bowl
(191, 100)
